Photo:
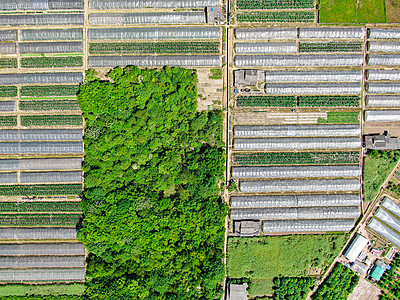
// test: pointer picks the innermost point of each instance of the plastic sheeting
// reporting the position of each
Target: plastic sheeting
(8, 35)
(385, 231)
(37, 233)
(384, 59)
(298, 60)
(40, 4)
(391, 206)
(41, 135)
(332, 33)
(297, 143)
(42, 249)
(384, 75)
(383, 88)
(378, 46)
(383, 101)
(47, 274)
(377, 33)
(285, 213)
(7, 106)
(154, 33)
(296, 172)
(41, 19)
(46, 177)
(382, 116)
(313, 89)
(66, 4)
(8, 48)
(281, 33)
(42, 148)
(8, 178)
(260, 48)
(147, 18)
(52, 34)
(42, 262)
(155, 61)
(135, 4)
(276, 186)
(32, 78)
(41, 164)
(56, 47)
(313, 76)
(296, 130)
(308, 225)
(388, 219)
(294, 201)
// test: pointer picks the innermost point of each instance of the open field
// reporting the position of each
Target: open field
(45, 289)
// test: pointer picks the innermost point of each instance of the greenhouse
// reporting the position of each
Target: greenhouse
(42, 262)
(47, 274)
(382, 116)
(296, 130)
(47, 177)
(154, 33)
(299, 60)
(37, 233)
(8, 35)
(383, 101)
(32, 78)
(391, 206)
(135, 4)
(332, 33)
(52, 34)
(260, 48)
(286, 213)
(8, 48)
(42, 249)
(155, 61)
(313, 88)
(384, 59)
(295, 201)
(384, 231)
(147, 18)
(377, 33)
(296, 172)
(7, 106)
(41, 135)
(388, 219)
(308, 225)
(281, 33)
(383, 88)
(41, 4)
(41, 19)
(8, 178)
(313, 76)
(56, 47)
(384, 75)
(42, 148)
(41, 164)
(380, 46)
(276, 186)
(297, 143)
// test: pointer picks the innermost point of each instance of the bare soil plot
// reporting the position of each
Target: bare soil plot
(393, 11)
(365, 291)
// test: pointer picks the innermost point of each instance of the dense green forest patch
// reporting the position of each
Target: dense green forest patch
(154, 217)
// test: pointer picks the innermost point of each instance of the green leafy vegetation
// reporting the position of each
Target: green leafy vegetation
(62, 105)
(339, 284)
(8, 121)
(329, 101)
(389, 280)
(288, 158)
(395, 188)
(8, 63)
(51, 62)
(377, 167)
(266, 101)
(39, 219)
(154, 217)
(72, 206)
(8, 91)
(43, 297)
(40, 190)
(291, 288)
(273, 16)
(341, 117)
(63, 120)
(42, 289)
(49, 90)
(274, 4)
(330, 47)
(263, 258)
(216, 73)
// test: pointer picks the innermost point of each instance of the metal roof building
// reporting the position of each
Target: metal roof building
(356, 246)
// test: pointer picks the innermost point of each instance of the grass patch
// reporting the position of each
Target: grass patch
(216, 73)
(377, 167)
(45, 289)
(341, 117)
(263, 258)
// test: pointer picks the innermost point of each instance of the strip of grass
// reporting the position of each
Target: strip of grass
(45, 289)
(63, 120)
(341, 117)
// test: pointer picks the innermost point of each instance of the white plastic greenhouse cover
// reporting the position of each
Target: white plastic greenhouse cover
(66, 4)
(297, 143)
(41, 135)
(299, 60)
(8, 178)
(313, 76)
(382, 116)
(147, 18)
(32, 78)
(384, 75)
(42, 148)
(47, 274)
(42, 249)
(384, 59)
(388, 219)
(261, 48)
(291, 213)
(294, 201)
(46, 177)
(377, 33)
(154, 33)
(383, 101)
(391, 206)
(383, 88)
(385, 231)
(275, 186)
(55, 47)
(8, 48)
(155, 61)
(308, 225)
(281, 33)
(52, 34)
(37, 233)
(42, 262)
(8, 35)
(313, 89)
(135, 4)
(41, 19)
(41, 164)
(332, 33)
(383, 46)
(8, 106)
(40, 4)
(296, 130)
(296, 172)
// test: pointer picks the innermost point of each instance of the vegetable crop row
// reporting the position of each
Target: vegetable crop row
(40, 190)
(341, 117)
(330, 47)
(51, 62)
(40, 219)
(49, 90)
(274, 4)
(49, 105)
(62, 120)
(8, 121)
(282, 16)
(8, 91)
(40, 207)
(8, 63)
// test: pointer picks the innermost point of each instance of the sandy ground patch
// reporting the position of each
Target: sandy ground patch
(365, 291)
